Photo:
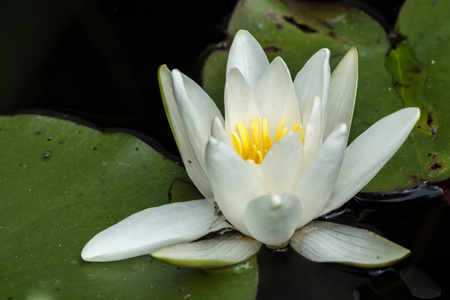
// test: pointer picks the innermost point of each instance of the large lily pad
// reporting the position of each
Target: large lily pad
(296, 30)
(60, 184)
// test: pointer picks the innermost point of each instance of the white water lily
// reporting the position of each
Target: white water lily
(277, 161)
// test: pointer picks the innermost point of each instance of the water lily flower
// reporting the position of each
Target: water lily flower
(273, 164)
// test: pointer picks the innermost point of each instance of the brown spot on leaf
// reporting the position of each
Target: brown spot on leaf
(299, 25)
(430, 123)
(416, 179)
(272, 49)
(272, 16)
(435, 166)
(326, 24)
(416, 69)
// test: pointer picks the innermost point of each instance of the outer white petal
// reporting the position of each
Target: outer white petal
(197, 110)
(280, 170)
(271, 219)
(332, 242)
(313, 81)
(369, 152)
(233, 183)
(218, 252)
(343, 84)
(192, 162)
(313, 131)
(153, 228)
(316, 185)
(240, 101)
(247, 55)
(276, 96)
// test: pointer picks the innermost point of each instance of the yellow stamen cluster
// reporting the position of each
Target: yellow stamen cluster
(255, 144)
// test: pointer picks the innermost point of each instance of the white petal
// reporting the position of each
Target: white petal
(218, 252)
(197, 112)
(332, 242)
(271, 219)
(369, 152)
(313, 81)
(219, 133)
(313, 132)
(233, 183)
(240, 101)
(153, 228)
(280, 170)
(316, 185)
(194, 168)
(247, 55)
(343, 84)
(276, 96)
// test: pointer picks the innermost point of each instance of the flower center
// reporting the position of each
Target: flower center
(255, 144)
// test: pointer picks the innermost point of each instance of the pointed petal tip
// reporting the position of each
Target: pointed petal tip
(86, 254)
(350, 58)
(326, 51)
(343, 127)
(163, 68)
(212, 142)
(176, 73)
(353, 51)
(415, 111)
(95, 251)
(279, 61)
(272, 219)
(243, 33)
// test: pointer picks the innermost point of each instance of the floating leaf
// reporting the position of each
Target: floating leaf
(62, 183)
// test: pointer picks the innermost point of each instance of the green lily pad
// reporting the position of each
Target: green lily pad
(296, 30)
(60, 184)
(420, 67)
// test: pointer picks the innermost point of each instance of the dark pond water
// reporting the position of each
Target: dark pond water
(418, 220)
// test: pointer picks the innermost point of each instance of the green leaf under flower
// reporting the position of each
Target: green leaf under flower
(60, 184)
